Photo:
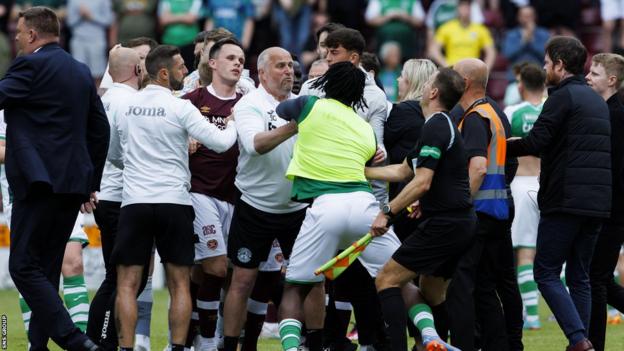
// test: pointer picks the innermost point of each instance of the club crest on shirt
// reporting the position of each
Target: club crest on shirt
(212, 244)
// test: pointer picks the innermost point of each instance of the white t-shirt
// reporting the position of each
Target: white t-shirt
(111, 186)
(150, 143)
(261, 178)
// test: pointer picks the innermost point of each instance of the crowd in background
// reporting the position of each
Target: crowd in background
(502, 32)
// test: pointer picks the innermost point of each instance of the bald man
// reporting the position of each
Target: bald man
(125, 70)
(264, 211)
(482, 267)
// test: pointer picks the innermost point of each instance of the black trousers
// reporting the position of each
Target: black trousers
(603, 289)
(481, 284)
(101, 324)
(41, 224)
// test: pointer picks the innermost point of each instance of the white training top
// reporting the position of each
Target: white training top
(151, 142)
(262, 178)
(111, 186)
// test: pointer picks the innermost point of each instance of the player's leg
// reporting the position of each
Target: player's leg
(251, 233)
(174, 241)
(524, 237)
(210, 225)
(131, 254)
(128, 281)
(269, 277)
(178, 282)
(317, 241)
(144, 304)
(74, 287)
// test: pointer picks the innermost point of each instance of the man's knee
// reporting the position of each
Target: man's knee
(216, 266)
(385, 280)
(72, 265)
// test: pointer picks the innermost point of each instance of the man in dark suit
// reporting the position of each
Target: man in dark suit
(57, 140)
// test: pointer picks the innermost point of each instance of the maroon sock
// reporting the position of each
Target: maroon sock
(208, 297)
(192, 330)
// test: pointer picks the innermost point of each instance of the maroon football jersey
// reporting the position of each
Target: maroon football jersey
(212, 173)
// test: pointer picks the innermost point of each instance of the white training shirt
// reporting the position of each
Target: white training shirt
(151, 145)
(111, 186)
(262, 178)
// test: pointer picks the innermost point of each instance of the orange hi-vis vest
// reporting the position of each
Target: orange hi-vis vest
(491, 198)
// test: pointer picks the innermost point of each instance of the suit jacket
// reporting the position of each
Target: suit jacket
(57, 131)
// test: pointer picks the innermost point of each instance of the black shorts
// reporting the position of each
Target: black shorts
(170, 226)
(252, 233)
(438, 243)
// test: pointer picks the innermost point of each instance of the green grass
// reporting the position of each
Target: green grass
(550, 338)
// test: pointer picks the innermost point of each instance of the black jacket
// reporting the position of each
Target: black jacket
(57, 131)
(572, 138)
(402, 129)
(616, 112)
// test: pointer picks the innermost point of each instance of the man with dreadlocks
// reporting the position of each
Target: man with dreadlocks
(327, 168)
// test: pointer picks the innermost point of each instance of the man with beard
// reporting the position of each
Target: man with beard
(572, 136)
(150, 143)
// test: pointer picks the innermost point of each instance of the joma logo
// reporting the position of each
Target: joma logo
(146, 111)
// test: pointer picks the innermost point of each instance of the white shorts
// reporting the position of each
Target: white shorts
(611, 9)
(526, 220)
(211, 225)
(335, 221)
(274, 261)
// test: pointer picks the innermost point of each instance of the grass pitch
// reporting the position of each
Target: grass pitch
(549, 338)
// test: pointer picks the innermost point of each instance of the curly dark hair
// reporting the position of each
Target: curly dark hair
(343, 82)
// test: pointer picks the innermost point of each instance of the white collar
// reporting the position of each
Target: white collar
(212, 91)
(158, 87)
(270, 98)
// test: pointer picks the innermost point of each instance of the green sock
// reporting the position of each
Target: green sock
(76, 300)
(290, 334)
(25, 312)
(420, 314)
(528, 290)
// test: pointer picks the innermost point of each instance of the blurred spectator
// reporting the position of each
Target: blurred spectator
(135, 18)
(88, 21)
(264, 34)
(512, 94)
(293, 17)
(560, 16)
(318, 68)
(396, 21)
(5, 46)
(372, 66)
(199, 43)
(611, 11)
(297, 75)
(237, 16)
(391, 57)
(57, 5)
(442, 11)
(526, 42)
(310, 52)
(348, 12)
(178, 19)
(460, 39)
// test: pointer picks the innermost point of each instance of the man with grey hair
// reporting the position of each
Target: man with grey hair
(264, 211)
